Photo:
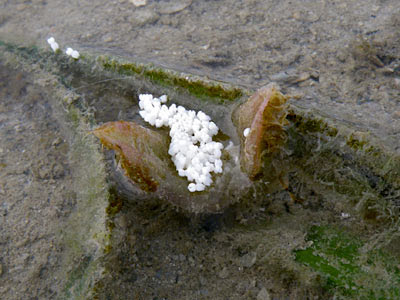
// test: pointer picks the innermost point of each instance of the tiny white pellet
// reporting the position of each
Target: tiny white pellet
(246, 132)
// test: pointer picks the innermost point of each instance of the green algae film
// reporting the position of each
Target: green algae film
(349, 272)
(197, 88)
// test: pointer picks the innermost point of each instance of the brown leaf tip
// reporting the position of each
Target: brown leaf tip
(265, 116)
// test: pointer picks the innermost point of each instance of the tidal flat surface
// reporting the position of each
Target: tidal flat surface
(341, 58)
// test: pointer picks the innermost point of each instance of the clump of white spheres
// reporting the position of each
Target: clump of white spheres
(55, 47)
(192, 149)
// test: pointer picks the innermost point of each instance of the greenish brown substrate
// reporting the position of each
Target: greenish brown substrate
(87, 236)
(352, 170)
(344, 162)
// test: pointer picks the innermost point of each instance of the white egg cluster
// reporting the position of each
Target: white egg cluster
(53, 44)
(193, 151)
(73, 53)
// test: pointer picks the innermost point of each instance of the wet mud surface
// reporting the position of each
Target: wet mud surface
(35, 190)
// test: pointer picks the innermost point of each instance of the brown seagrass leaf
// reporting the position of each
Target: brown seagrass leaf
(142, 153)
(265, 114)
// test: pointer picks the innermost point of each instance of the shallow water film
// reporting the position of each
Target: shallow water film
(318, 218)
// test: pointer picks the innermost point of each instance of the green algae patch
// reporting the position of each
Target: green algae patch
(115, 203)
(350, 271)
(311, 125)
(356, 143)
(78, 280)
(220, 93)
